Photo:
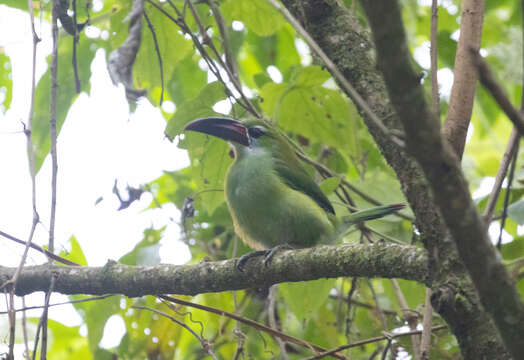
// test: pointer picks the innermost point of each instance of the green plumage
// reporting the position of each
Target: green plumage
(272, 199)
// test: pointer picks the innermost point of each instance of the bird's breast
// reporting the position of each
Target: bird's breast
(266, 212)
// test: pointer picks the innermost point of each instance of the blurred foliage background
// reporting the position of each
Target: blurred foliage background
(286, 83)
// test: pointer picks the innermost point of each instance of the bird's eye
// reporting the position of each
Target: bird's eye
(257, 131)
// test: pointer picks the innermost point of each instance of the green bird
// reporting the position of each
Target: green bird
(274, 202)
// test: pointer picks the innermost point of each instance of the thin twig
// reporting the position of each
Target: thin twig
(408, 316)
(350, 301)
(224, 33)
(501, 174)
(369, 341)
(435, 96)
(42, 324)
(205, 344)
(24, 330)
(253, 324)
(27, 131)
(40, 249)
(508, 191)
(487, 80)
(425, 342)
(386, 349)
(93, 298)
(75, 43)
(52, 123)
(158, 54)
(273, 322)
(337, 74)
(232, 77)
(381, 316)
(360, 303)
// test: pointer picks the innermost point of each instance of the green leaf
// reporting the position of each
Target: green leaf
(329, 185)
(95, 314)
(66, 92)
(76, 254)
(6, 83)
(173, 48)
(146, 252)
(304, 298)
(306, 107)
(311, 76)
(214, 163)
(200, 106)
(516, 212)
(187, 80)
(258, 15)
(67, 343)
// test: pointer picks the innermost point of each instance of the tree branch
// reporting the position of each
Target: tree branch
(328, 261)
(442, 169)
(340, 34)
(463, 90)
(487, 80)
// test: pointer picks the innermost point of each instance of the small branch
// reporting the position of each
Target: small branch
(336, 73)
(442, 170)
(426, 330)
(75, 43)
(205, 344)
(224, 33)
(352, 301)
(52, 122)
(501, 174)
(30, 151)
(159, 56)
(42, 324)
(253, 324)
(230, 72)
(24, 330)
(409, 317)
(369, 341)
(381, 316)
(487, 80)
(435, 96)
(376, 260)
(508, 191)
(464, 81)
(40, 249)
(94, 298)
(273, 322)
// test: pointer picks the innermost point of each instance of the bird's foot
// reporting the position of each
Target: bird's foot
(267, 254)
(273, 251)
(241, 262)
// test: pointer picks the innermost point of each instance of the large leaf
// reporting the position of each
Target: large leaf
(304, 298)
(95, 314)
(258, 15)
(146, 251)
(66, 92)
(6, 83)
(200, 106)
(172, 46)
(306, 107)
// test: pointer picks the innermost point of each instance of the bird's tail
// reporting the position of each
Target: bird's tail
(367, 214)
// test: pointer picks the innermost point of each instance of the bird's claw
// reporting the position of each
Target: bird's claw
(241, 262)
(268, 255)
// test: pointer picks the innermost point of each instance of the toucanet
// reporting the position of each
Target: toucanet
(273, 200)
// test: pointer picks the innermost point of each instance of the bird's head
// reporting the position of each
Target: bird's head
(243, 135)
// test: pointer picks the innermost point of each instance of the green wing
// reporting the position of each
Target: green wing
(297, 178)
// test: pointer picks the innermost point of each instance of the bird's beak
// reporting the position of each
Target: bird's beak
(227, 129)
